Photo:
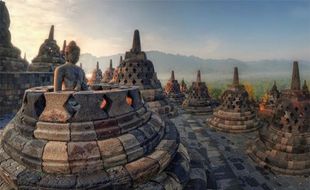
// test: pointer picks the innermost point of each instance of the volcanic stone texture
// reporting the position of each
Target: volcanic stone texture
(283, 146)
(104, 139)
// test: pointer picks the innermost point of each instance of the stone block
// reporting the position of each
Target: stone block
(112, 152)
(106, 128)
(33, 151)
(84, 157)
(52, 131)
(84, 131)
(132, 147)
(55, 158)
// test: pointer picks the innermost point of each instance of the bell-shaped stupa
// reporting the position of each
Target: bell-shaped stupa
(137, 70)
(89, 139)
(199, 101)
(10, 59)
(183, 87)
(49, 56)
(108, 73)
(268, 103)
(236, 114)
(173, 90)
(283, 146)
(96, 76)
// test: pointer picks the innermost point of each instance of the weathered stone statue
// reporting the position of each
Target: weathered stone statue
(49, 56)
(283, 146)
(10, 59)
(69, 76)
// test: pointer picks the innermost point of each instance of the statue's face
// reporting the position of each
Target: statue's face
(73, 54)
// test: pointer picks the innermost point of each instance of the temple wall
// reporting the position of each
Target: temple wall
(14, 84)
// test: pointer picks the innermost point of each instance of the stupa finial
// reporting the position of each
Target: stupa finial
(274, 87)
(111, 64)
(136, 44)
(64, 46)
(51, 34)
(172, 75)
(120, 59)
(97, 66)
(81, 65)
(198, 76)
(305, 86)
(236, 77)
(25, 56)
(295, 85)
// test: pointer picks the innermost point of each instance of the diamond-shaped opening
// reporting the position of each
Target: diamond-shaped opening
(72, 106)
(129, 100)
(105, 104)
(39, 105)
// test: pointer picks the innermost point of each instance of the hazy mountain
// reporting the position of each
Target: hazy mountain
(212, 69)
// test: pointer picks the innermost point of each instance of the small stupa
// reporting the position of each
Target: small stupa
(173, 90)
(108, 73)
(96, 76)
(283, 146)
(237, 113)
(199, 101)
(183, 87)
(70, 137)
(268, 103)
(49, 56)
(137, 70)
(10, 56)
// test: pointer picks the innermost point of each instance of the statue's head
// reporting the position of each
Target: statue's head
(72, 52)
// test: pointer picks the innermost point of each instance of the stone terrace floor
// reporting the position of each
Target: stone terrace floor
(229, 165)
(226, 159)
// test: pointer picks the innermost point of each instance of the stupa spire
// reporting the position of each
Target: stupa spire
(305, 86)
(136, 44)
(274, 87)
(81, 65)
(295, 85)
(25, 56)
(236, 77)
(198, 76)
(111, 64)
(51, 34)
(172, 75)
(97, 66)
(120, 59)
(64, 46)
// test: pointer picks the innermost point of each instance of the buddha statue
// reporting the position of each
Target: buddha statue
(69, 76)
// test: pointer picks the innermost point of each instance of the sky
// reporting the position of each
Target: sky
(245, 30)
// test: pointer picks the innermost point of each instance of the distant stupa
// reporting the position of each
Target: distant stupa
(10, 58)
(49, 56)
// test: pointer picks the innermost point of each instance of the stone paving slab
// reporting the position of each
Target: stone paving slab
(232, 148)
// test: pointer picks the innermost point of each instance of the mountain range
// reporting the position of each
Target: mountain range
(211, 69)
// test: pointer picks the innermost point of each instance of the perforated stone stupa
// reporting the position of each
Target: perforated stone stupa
(86, 139)
(183, 87)
(173, 91)
(96, 76)
(49, 56)
(199, 100)
(236, 113)
(283, 146)
(10, 59)
(268, 103)
(108, 73)
(137, 70)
